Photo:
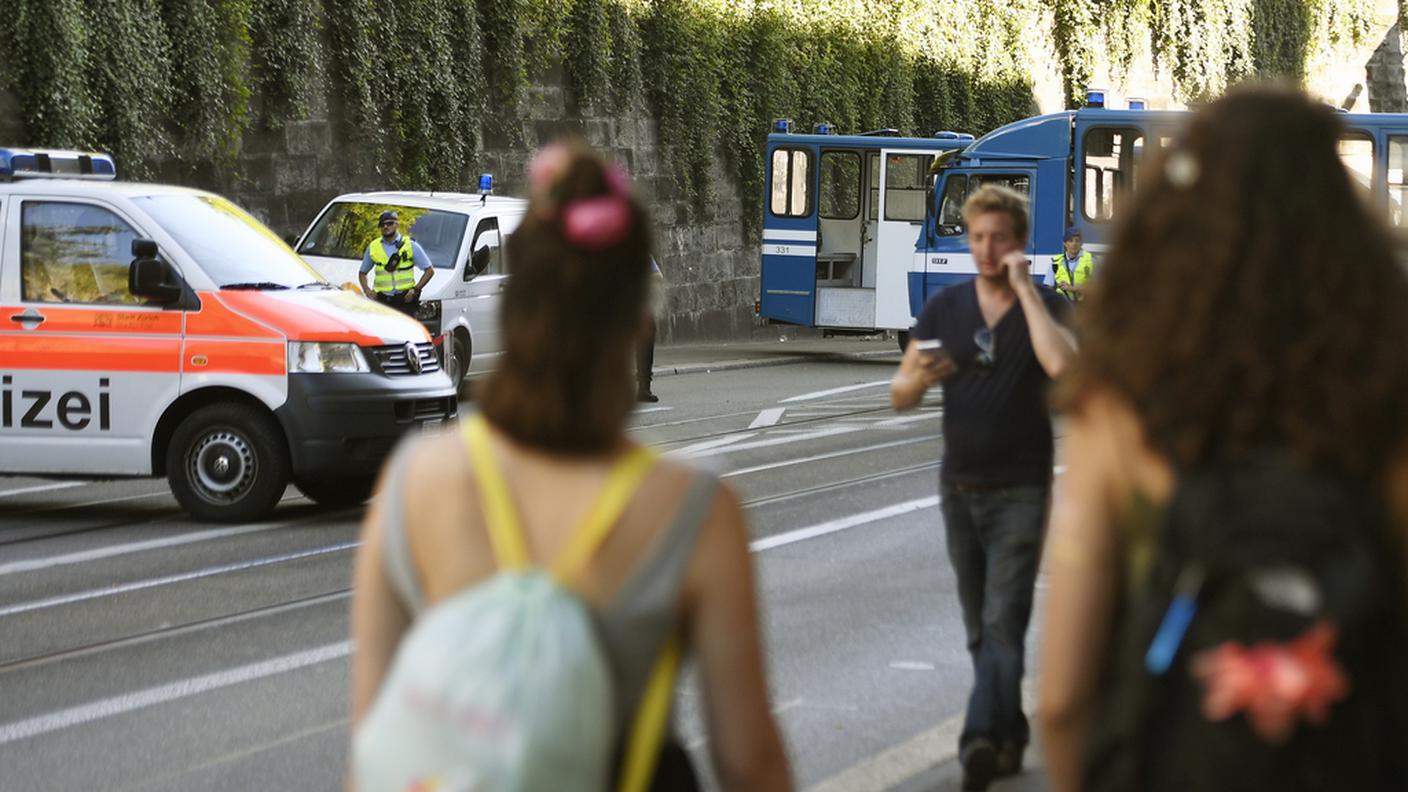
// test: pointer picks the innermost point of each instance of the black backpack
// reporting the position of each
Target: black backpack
(1262, 552)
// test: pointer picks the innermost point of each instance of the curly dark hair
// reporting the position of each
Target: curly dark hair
(571, 317)
(1251, 298)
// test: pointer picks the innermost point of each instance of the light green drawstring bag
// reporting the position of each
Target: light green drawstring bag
(505, 686)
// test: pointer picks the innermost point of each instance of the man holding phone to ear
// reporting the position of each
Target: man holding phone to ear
(1000, 343)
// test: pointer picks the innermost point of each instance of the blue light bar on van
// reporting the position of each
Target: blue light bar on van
(783, 125)
(1094, 97)
(1137, 104)
(55, 164)
(486, 183)
(822, 129)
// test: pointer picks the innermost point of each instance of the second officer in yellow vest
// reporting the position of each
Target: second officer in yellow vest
(393, 259)
(1072, 270)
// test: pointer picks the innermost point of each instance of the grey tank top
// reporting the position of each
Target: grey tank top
(637, 621)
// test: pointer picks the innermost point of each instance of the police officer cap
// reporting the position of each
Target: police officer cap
(1070, 232)
(387, 215)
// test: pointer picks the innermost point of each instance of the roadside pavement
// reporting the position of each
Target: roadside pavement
(948, 776)
(723, 356)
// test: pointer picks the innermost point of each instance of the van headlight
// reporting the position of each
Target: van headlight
(428, 311)
(318, 357)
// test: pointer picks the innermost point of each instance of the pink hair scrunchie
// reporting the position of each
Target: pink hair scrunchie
(595, 223)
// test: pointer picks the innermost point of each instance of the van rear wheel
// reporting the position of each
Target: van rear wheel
(337, 492)
(903, 336)
(227, 463)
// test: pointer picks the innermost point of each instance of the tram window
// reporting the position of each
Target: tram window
(874, 212)
(1110, 169)
(839, 197)
(1357, 154)
(905, 176)
(1397, 186)
(791, 175)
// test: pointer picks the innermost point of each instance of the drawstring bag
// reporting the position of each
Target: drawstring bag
(505, 686)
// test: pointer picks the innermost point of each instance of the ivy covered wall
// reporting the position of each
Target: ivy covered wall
(284, 103)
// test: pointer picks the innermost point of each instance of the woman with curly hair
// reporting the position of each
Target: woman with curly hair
(1250, 304)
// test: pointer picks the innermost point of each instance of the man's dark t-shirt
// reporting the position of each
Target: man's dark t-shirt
(997, 424)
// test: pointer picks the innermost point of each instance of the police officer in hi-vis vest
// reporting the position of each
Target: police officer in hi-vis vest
(1071, 271)
(395, 259)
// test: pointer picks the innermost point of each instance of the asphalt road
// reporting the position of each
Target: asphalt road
(142, 650)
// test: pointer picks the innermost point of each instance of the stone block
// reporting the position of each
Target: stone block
(254, 174)
(294, 174)
(544, 102)
(263, 141)
(598, 132)
(548, 131)
(308, 137)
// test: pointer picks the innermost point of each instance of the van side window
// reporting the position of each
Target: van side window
(1110, 169)
(1397, 185)
(491, 260)
(839, 197)
(1357, 153)
(74, 253)
(951, 206)
(905, 177)
(791, 177)
(959, 186)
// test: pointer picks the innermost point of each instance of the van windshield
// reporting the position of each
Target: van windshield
(346, 228)
(232, 247)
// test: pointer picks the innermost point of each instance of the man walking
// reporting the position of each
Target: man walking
(395, 258)
(1073, 269)
(1001, 345)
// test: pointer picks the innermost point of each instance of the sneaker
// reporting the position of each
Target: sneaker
(1009, 761)
(647, 396)
(979, 766)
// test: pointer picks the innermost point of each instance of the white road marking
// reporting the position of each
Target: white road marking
(833, 391)
(698, 449)
(184, 688)
(138, 585)
(842, 523)
(773, 441)
(768, 417)
(644, 410)
(43, 488)
(911, 665)
(828, 455)
(34, 564)
(888, 423)
(82, 504)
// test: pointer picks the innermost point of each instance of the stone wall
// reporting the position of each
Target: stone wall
(285, 176)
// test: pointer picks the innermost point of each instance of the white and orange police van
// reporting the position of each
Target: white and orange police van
(150, 330)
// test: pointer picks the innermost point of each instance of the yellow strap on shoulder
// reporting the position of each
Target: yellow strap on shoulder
(510, 550)
(652, 716)
(621, 484)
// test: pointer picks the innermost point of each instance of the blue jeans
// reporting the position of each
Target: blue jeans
(994, 542)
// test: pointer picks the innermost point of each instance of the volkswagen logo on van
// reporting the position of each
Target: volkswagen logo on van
(412, 358)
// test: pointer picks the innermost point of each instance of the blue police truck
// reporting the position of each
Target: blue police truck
(1078, 166)
(842, 217)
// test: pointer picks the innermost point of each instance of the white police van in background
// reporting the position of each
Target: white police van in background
(462, 233)
(150, 330)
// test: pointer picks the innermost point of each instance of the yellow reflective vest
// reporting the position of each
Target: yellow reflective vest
(1084, 271)
(401, 275)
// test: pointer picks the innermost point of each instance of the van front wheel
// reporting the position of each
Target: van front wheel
(227, 463)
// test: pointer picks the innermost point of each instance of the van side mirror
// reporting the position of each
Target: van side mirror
(151, 277)
(480, 259)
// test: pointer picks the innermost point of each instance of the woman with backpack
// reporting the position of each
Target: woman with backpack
(1227, 606)
(526, 586)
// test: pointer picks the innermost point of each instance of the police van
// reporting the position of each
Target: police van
(150, 330)
(462, 233)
